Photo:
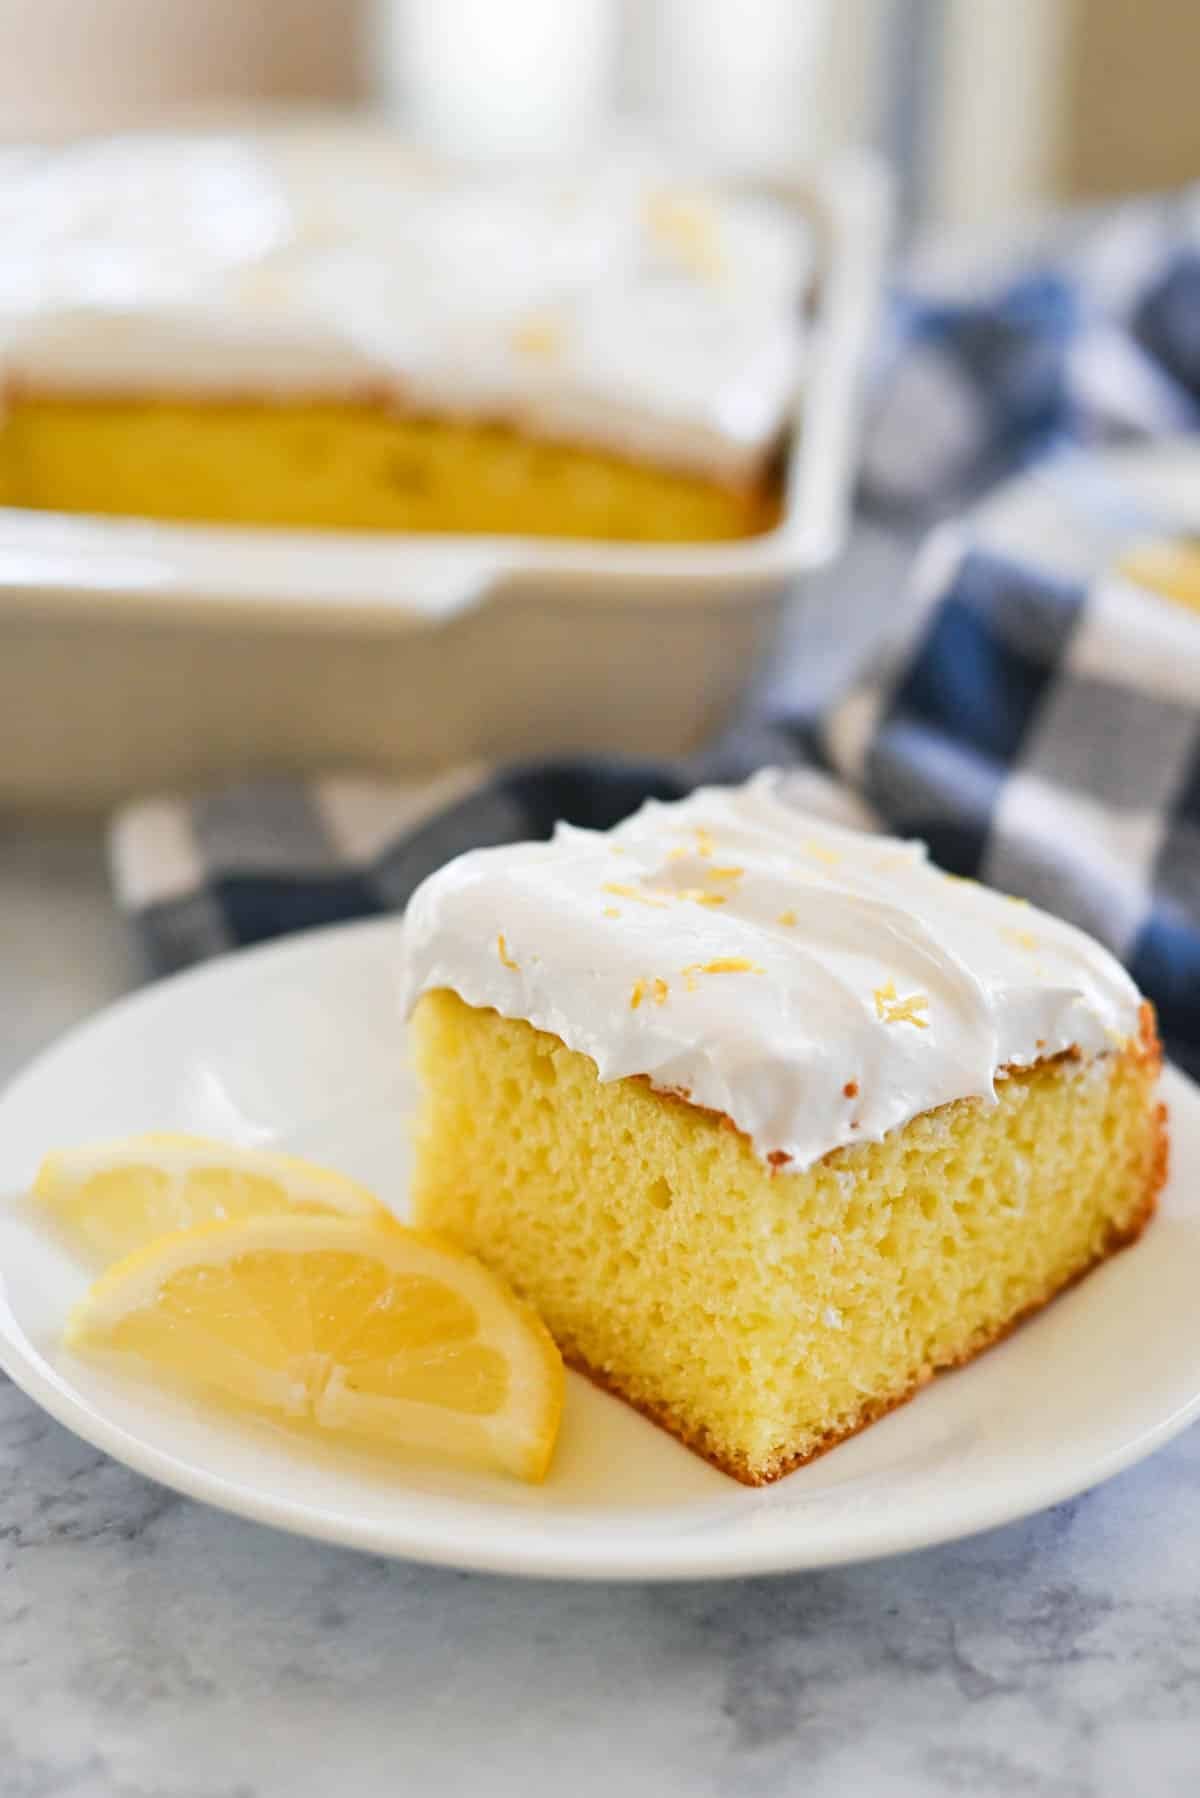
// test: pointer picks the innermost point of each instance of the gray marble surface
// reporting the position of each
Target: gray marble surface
(152, 1648)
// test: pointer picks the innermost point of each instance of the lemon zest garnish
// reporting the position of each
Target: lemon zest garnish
(657, 988)
(635, 893)
(1024, 939)
(538, 336)
(893, 1010)
(661, 897)
(724, 873)
(704, 842)
(505, 957)
(679, 854)
(786, 917)
(961, 880)
(687, 227)
(820, 853)
(612, 911)
(725, 964)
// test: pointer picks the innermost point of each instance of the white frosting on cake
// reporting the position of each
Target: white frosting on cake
(612, 306)
(843, 985)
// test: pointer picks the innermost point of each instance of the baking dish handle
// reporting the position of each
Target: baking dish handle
(64, 563)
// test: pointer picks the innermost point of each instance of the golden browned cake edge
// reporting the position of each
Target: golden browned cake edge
(1147, 1049)
(748, 505)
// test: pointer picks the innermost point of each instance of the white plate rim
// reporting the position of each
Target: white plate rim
(669, 1558)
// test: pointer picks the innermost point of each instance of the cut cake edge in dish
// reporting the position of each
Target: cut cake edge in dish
(378, 339)
(359, 463)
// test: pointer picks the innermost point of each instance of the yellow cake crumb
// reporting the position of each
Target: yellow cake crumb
(761, 1313)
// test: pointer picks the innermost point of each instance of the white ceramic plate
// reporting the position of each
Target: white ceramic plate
(300, 1044)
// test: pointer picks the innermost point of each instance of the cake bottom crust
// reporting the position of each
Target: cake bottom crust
(876, 1408)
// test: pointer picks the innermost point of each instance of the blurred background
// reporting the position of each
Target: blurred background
(983, 113)
(986, 107)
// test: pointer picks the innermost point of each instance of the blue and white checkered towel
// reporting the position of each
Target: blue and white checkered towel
(1088, 332)
(1038, 728)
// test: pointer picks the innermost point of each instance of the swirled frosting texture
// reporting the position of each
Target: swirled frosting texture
(612, 306)
(819, 986)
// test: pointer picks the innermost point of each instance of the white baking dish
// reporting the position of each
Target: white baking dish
(140, 655)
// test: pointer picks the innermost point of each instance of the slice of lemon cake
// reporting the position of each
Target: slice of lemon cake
(769, 1119)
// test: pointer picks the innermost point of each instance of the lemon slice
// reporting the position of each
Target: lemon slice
(339, 1324)
(113, 1197)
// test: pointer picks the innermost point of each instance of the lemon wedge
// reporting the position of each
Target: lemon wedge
(338, 1324)
(110, 1198)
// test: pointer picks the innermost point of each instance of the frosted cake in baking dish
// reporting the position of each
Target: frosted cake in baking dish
(320, 328)
(771, 1120)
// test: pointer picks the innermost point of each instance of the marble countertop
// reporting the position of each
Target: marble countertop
(152, 1648)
